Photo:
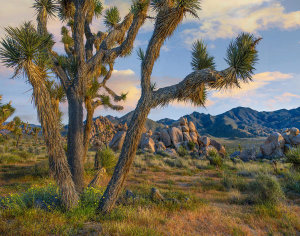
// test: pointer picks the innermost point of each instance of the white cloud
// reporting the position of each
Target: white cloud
(259, 80)
(225, 19)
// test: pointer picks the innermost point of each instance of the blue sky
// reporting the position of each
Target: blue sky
(276, 82)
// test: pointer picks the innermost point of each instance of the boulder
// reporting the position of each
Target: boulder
(171, 152)
(117, 142)
(183, 121)
(294, 131)
(220, 148)
(273, 146)
(286, 138)
(156, 195)
(175, 135)
(147, 143)
(160, 147)
(205, 150)
(192, 127)
(295, 140)
(248, 154)
(186, 136)
(165, 137)
(185, 128)
(194, 137)
(204, 141)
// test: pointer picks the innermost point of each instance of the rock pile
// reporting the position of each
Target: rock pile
(169, 139)
(277, 144)
(103, 131)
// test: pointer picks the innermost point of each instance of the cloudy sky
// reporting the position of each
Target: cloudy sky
(276, 82)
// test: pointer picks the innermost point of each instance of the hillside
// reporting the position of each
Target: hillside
(242, 122)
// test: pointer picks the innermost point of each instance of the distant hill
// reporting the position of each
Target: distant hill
(150, 124)
(242, 122)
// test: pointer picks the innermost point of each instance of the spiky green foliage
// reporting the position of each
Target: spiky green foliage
(141, 54)
(23, 44)
(112, 17)
(50, 6)
(293, 157)
(139, 6)
(98, 8)
(241, 57)
(66, 10)
(200, 57)
(6, 110)
(189, 6)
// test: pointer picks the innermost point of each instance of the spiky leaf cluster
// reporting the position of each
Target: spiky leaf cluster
(112, 17)
(50, 6)
(23, 44)
(242, 56)
(139, 6)
(200, 57)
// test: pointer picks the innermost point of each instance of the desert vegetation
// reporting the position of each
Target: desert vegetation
(121, 179)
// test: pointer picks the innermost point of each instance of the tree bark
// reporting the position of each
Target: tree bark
(88, 127)
(53, 139)
(127, 155)
(75, 138)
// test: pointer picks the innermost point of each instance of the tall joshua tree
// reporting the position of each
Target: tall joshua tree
(29, 50)
(241, 57)
(24, 50)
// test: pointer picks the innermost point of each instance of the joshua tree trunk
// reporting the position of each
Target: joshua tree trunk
(75, 139)
(88, 127)
(127, 155)
(18, 141)
(51, 131)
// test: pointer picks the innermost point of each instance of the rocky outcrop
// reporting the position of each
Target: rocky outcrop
(248, 154)
(117, 142)
(168, 140)
(277, 144)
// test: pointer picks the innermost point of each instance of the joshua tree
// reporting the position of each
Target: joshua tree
(35, 132)
(18, 129)
(241, 57)
(6, 110)
(30, 51)
(24, 50)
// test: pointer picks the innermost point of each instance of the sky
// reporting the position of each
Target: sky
(276, 82)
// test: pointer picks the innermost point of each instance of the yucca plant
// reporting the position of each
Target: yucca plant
(6, 111)
(293, 157)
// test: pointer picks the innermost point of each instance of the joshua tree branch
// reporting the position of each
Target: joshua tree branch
(184, 90)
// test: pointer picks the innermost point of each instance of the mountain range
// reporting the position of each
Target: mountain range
(240, 122)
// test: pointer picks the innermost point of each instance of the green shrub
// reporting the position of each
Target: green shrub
(191, 145)
(265, 189)
(293, 157)
(174, 162)
(24, 155)
(107, 159)
(234, 182)
(91, 197)
(214, 158)
(292, 181)
(8, 158)
(182, 151)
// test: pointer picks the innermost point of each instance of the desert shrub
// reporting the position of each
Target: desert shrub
(234, 182)
(191, 145)
(214, 158)
(24, 155)
(182, 151)
(291, 181)
(91, 197)
(107, 159)
(30, 149)
(8, 158)
(265, 189)
(2, 149)
(41, 169)
(46, 198)
(177, 162)
(293, 157)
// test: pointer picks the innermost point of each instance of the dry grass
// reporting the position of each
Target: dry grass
(216, 200)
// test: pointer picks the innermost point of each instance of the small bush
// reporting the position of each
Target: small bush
(191, 145)
(215, 159)
(293, 157)
(2, 149)
(265, 189)
(234, 182)
(292, 182)
(91, 197)
(24, 155)
(107, 159)
(8, 158)
(182, 151)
